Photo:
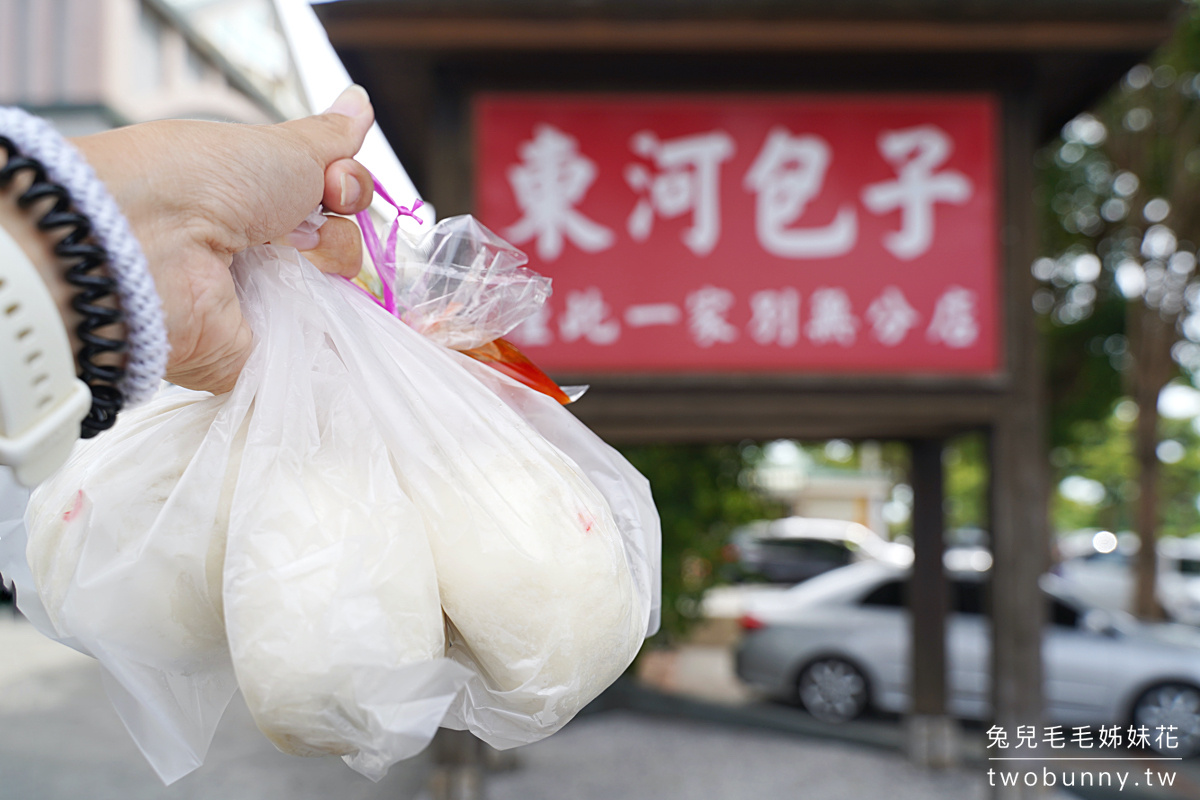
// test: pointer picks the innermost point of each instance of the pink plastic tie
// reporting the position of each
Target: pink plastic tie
(383, 255)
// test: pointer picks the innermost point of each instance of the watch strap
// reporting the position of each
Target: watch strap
(42, 402)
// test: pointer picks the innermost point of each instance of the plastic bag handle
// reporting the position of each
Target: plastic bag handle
(384, 255)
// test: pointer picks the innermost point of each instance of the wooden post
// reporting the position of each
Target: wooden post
(1018, 608)
(927, 600)
(1019, 478)
(458, 771)
(932, 735)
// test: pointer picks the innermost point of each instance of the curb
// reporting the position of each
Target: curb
(625, 694)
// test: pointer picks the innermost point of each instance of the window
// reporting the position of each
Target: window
(1062, 615)
(1113, 558)
(806, 550)
(892, 594)
(968, 597)
(1189, 566)
(147, 59)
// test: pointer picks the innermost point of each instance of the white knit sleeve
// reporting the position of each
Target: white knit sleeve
(146, 356)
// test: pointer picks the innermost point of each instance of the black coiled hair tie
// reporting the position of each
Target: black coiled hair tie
(85, 271)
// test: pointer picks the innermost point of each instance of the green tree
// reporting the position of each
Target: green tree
(964, 461)
(1123, 188)
(1101, 451)
(702, 493)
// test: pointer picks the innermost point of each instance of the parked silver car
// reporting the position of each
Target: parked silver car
(1098, 569)
(840, 642)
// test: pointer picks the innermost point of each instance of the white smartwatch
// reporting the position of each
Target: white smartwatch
(42, 402)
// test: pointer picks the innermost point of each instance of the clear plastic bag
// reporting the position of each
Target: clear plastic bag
(305, 532)
(462, 286)
(127, 570)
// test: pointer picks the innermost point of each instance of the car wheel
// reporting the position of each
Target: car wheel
(833, 690)
(1172, 704)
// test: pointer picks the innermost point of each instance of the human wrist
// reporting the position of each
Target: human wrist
(142, 203)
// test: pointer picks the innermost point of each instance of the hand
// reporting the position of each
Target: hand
(196, 193)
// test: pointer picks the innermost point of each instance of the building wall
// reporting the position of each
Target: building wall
(88, 65)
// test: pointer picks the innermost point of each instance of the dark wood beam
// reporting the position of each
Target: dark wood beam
(723, 415)
(574, 35)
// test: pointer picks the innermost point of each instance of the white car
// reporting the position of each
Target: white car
(840, 643)
(794, 549)
(1098, 568)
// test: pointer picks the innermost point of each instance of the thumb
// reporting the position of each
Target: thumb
(339, 132)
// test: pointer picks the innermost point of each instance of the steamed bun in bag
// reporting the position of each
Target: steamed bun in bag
(80, 525)
(332, 610)
(590, 610)
(537, 591)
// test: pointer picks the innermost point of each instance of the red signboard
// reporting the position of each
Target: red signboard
(851, 234)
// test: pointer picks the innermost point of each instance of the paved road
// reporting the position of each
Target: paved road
(61, 740)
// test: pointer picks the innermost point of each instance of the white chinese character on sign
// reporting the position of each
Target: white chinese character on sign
(534, 331)
(787, 174)
(707, 308)
(646, 314)
(586, 317)
(689, 179)
(775, 317)
(954, 322)
(831, 319)
(916, 153)
(551, 180)
(891, 316)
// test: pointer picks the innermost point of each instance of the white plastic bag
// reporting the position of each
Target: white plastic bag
(290, 533)
(128, 570)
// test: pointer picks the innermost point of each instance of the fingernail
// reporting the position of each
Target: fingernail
(350, 190)
(353, 102)
(302, 240)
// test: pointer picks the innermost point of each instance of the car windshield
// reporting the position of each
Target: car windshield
(816, 549)
(967, 596)
(1062, 615)
(1114, 557)
(842, 585)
